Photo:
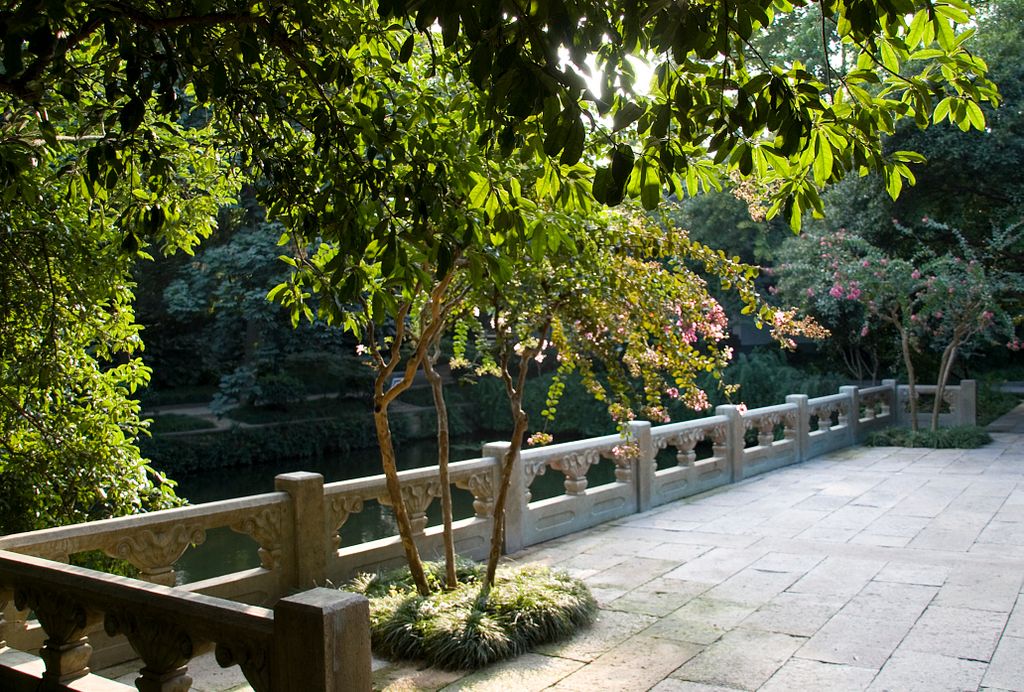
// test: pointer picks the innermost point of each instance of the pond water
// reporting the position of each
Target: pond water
(225, 551)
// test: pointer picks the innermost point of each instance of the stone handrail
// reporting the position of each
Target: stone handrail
(297, 527)
(277, 649)
(153, 542)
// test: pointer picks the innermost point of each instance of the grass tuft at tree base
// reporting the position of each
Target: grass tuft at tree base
(464, 629)
(960, 437)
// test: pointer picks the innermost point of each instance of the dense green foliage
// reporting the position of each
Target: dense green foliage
(373, 133)
(462, 629)
(965, 437)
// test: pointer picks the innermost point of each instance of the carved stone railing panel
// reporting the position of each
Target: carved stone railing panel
(482, 486)
(417, 498)
(575, 466)
(164, 647)
(66, 651)
(339, 509)
(766, 423)
(154, 551)
(251, 657)
(265, 528)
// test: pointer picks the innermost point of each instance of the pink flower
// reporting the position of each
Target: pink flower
(539, 438)
(864, 330)
(854, 294)
(810, 292)
(742, 408)
(915, 274)
(672, 392)
(865, 263)
(836, 291)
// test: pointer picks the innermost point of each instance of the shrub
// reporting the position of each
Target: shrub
(962, 437)
(463, 628)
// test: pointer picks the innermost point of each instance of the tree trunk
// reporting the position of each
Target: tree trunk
(443, 453)
(945, 368)
(911, 378)
(507, 467)
(387, 457)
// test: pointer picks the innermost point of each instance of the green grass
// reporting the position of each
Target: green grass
(177, 422)
(962, 437)
(464, 628)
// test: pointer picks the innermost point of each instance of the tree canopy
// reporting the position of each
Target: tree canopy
(376, 134)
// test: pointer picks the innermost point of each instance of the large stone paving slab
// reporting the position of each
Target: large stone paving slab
(743, 659)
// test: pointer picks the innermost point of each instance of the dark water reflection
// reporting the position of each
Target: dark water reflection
(226, 551)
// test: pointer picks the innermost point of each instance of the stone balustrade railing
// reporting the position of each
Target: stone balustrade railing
(296, 646)
(296, 528)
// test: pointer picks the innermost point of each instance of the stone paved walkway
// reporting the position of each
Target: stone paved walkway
(867, 569)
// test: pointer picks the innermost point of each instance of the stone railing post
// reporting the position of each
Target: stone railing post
(852, 413)
(734, 442)
(322, 642)
(304, 553)
(644, 465)
(899, 416)
(803, 422)
(515, 501)
(967, 404)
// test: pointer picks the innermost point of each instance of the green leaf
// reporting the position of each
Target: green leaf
(626, 116)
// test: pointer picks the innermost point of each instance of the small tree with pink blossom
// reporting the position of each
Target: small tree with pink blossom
(624, 308)
(947, 303)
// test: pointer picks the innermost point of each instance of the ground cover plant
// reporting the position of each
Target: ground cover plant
(471, 625)
(960, 437)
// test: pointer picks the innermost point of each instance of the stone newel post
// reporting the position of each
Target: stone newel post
(305, 563)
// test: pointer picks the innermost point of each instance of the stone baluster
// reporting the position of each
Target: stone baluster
(532, 469)
(482, 486)
(154, 551)
(251, 657)
(720, 442)
(575, 467)
(339, 509)
(66, 651)
(265, 528)
(417, 499)
(766, 431)
(164, 648)
(824, 418)
(685, 449)
(841, 415)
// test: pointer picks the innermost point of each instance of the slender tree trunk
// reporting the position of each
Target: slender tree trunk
(507, 468)
(911, 377)
(383, 394)
(945, 368)
(388, 462)
(443, 454)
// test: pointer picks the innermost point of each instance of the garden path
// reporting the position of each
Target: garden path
(865, 569)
